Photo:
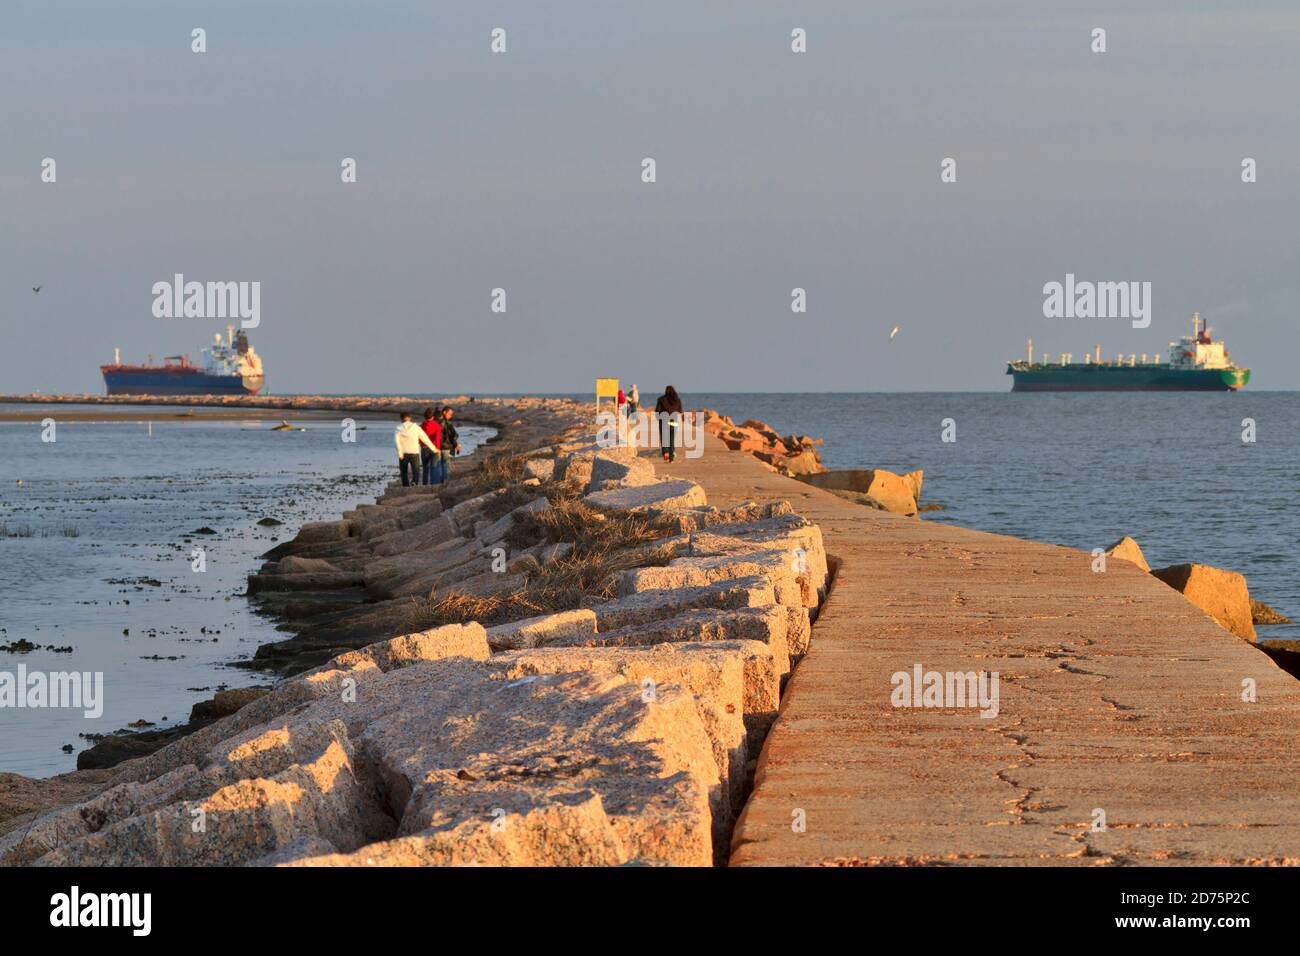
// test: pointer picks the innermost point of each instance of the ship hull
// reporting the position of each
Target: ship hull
(120, 380)
(1125, 378)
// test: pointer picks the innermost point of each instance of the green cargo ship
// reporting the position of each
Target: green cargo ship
(1196, 363)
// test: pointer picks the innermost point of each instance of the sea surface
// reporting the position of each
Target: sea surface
(1169, 469)
(98, 533)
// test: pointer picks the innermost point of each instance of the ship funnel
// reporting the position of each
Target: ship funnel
(117, 356)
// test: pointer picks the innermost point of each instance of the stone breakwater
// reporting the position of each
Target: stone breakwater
(790, 455)
(559, 658)
(528, 415)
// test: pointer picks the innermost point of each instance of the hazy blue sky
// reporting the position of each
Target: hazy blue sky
(522, 171)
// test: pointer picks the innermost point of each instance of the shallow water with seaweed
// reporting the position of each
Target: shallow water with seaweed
(100, 531)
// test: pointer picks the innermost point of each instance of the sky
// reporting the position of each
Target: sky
(523, 171)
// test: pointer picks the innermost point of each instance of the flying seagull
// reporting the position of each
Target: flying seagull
(894, 331)
(36, 289)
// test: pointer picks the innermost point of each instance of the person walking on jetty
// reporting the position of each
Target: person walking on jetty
(668, 413)
(450, 443)
(633, 403)
(620, 417)
(409, 438)
(430, 460)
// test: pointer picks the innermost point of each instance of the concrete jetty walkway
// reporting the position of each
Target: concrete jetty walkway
(1117, 696)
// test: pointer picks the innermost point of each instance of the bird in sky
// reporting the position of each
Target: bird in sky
(894, 331)
(36, 289)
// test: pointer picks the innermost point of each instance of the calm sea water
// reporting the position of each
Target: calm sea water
(97, 549)
(1081, 470)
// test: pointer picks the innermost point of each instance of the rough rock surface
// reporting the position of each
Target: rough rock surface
(768, 625)
(451, 640)
(1221, 594)
(574, 833)
(669, 494)
(226, 702)
(1261, 613)
(542, 630)
(417, 538)
(543, 469)
(296, 565)
(792, 586)
(269, 789)
(1127, 549)
(790, 455)
(893, 493)
(657, 603)
(716, 674)
(609, 472)
(424, 749)
(702, 668)
(315, 532)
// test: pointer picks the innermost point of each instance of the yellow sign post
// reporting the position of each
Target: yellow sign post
(608, 388)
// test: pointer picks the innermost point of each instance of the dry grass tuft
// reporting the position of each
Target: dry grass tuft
(499, 470)
(603, 546)
(590, 531)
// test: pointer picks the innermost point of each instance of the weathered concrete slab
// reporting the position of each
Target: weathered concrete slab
(558, 834)
(440, 751)
(316, 795)
(767, 625)
(715, 674)
(1221, 594)
(450, 640)
(705, 669)
(667, 494)
(1115, 693)
(516, 745)
(609, 472)
(656, 604)
(778, 567)
(542, 630)
(419, 537)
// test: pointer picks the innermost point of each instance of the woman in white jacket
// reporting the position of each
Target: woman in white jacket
(409, 437)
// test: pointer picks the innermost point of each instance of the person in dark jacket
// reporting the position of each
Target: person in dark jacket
(668, 412)
(450, 443)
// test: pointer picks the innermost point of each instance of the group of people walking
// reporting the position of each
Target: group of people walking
(424, 451)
